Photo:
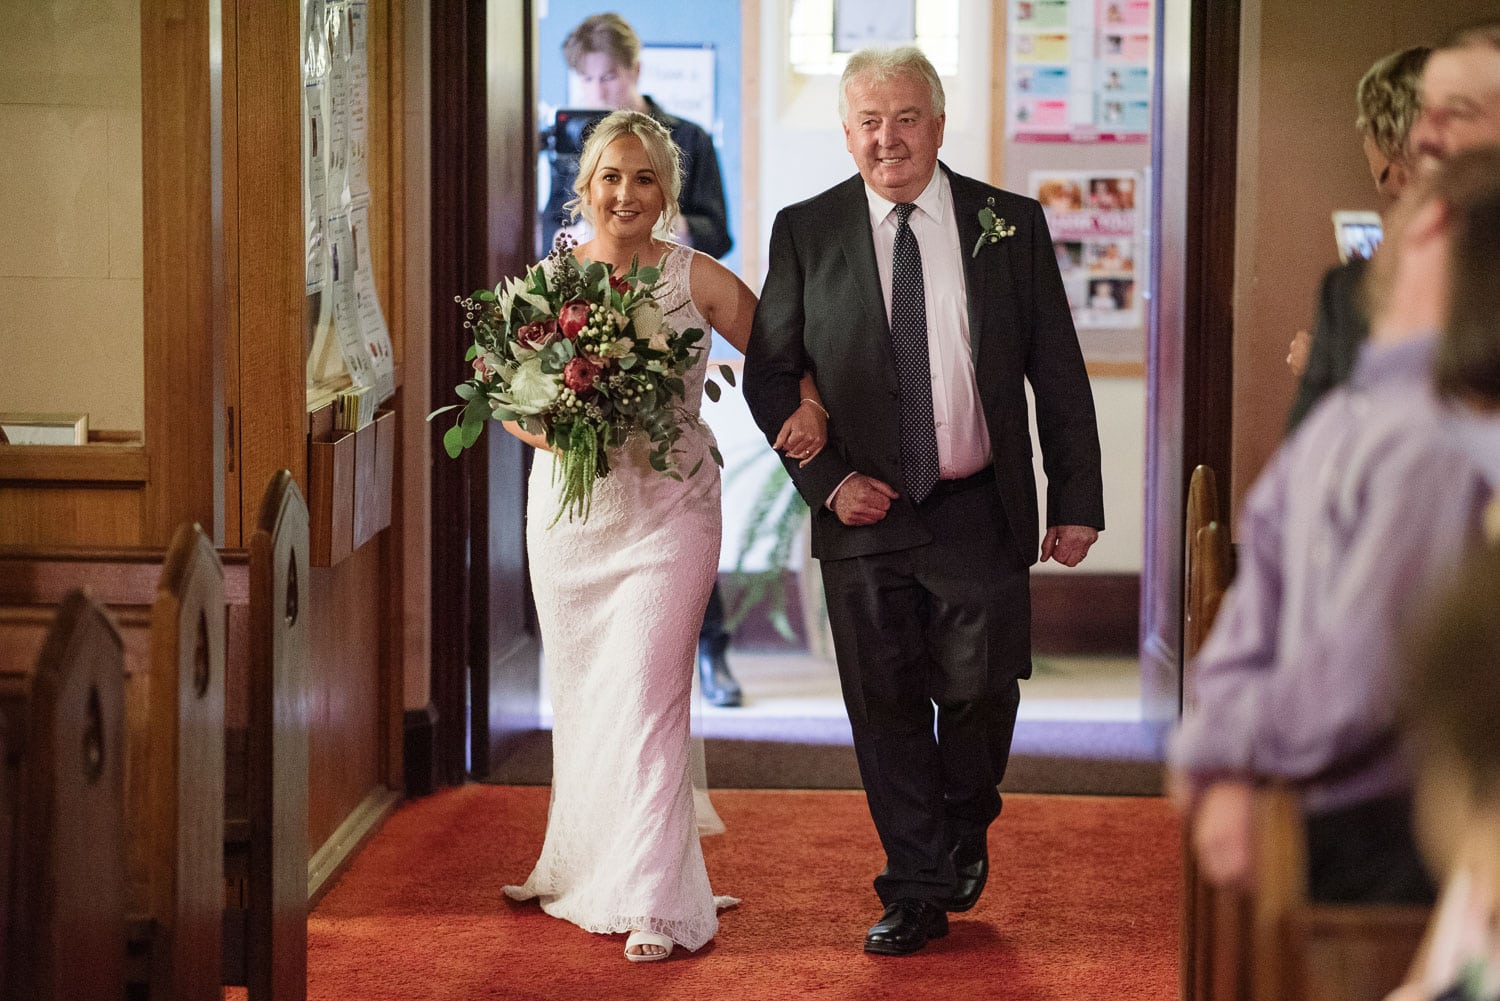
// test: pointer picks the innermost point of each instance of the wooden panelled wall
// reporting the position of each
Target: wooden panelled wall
(136, 492)
(225, 402)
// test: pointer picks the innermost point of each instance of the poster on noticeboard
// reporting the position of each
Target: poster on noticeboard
(346, 330)
(1079, 70)
(1096, 221)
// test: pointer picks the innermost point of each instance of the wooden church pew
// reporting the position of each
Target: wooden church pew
(176, 892)
(1215, 959)
(265, 740)
(265, 921)
(64, 786)
(174, 771)
(1308, 951)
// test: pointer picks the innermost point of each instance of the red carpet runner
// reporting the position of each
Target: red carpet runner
(1082, 904)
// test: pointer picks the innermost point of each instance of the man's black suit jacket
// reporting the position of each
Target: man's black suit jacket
(822, 310)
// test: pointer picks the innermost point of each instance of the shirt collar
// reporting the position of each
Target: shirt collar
(1406, 361)
(933, 200)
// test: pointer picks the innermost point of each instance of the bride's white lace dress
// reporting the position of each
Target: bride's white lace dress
(620, 599)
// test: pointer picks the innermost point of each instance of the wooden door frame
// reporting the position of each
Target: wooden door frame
(457, 262)
(483, 218)
(1190, 373)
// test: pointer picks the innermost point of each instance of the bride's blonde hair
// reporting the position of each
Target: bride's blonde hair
(665, 157)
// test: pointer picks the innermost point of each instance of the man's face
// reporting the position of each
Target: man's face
(893, 134)
(1460, 97)
(607, 84)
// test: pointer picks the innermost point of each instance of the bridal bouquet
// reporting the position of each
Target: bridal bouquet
(582, 357)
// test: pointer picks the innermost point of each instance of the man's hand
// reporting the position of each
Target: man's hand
(1180, 791)
(1224, 834)
(862, 500)
(1068, 544)
(1296, 353)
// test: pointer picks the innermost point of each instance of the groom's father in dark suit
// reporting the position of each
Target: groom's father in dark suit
(923, 301)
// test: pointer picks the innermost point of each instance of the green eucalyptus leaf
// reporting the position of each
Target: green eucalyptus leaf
(719, 456)
(472, 353)
(696, 466)
(469, 433)
(504, 414)
(453, 442)
(727, 373)
(466, 391)
(476, 411)
(648, 275)
(444, 410)
(628, 362)
(987, 218)
(711, 390)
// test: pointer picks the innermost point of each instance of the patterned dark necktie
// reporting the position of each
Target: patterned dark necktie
(919, 453)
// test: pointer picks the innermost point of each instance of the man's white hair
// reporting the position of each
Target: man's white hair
(880, 65)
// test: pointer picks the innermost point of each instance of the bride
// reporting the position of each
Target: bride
(620, 595)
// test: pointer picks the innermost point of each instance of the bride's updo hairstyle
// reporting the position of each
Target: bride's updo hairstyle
(665, 157)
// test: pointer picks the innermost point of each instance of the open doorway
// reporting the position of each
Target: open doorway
(776, 132)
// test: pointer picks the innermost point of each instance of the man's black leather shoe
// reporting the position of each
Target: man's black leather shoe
(906, 926)
(719, 686)
(971, 858)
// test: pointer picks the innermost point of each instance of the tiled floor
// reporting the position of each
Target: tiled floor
(782, 688)
(1080, 729)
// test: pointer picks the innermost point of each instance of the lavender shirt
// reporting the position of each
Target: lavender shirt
(1359, 514)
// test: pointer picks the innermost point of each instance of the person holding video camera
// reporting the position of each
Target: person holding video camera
(604, 51)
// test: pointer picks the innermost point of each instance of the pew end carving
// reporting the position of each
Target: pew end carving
(65, 726)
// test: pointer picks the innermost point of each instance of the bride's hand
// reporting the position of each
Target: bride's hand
(804, 434)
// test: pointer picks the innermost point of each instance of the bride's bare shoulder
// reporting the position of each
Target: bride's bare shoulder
(712, 278)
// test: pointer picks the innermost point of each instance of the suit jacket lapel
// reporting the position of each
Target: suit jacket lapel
(966, 203)
(858, 245)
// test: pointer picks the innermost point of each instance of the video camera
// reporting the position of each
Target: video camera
(569, 129)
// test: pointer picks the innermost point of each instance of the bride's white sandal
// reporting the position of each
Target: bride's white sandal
(644, 938)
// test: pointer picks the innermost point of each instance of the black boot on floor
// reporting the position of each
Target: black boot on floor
(719, 686)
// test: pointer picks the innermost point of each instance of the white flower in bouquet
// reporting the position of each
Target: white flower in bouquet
(531, 389)
(650, 326)
(618, 348)
(508, 291)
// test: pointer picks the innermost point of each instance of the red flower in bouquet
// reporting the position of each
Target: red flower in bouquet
(538, 334)
(580, 374)
(573, 318)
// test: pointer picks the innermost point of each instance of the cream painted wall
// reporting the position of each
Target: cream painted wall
(71, 328)
(802, 153)
(801, 143)
(1121, 407)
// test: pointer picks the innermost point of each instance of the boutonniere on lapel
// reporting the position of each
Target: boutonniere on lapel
(992, 228)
